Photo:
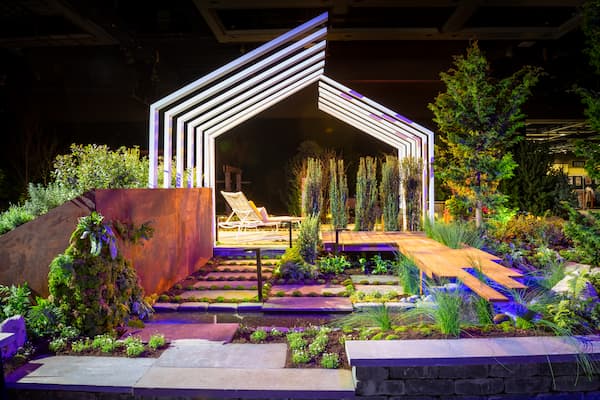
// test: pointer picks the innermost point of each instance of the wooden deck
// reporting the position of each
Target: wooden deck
(436, 259)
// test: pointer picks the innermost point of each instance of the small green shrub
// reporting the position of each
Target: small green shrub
(57, 345)
(15, 215)
(333, 264)
(105, 343)
(133, 346)
(380, 266)
(584, 231)
(156, 341)
(81, 345)
(296, 340)
(14, 300)
(276, 332)
(330, 360)
(258, 335)
(308, 239)
(454, 234)
(300, 356)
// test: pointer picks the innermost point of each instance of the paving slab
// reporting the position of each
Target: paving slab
(307, 289)
(193, 306)
(219, 284)
(227, 307)
(93, 374)
(399, 306)
(246, 383)
(374, 278)
(227, 294)
(210, 354)
(246, 307)
(468, 351)
(243, 268)
(173, 331)
(369, 289)
(165, 307)
(308, 304)
(365, 306)
(227, 275)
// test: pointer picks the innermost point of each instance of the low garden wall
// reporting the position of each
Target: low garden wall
(499, 369)
(182, 241)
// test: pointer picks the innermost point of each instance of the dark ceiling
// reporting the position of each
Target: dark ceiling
(87, 70)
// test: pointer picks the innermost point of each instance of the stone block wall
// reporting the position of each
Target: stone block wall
(508, 381)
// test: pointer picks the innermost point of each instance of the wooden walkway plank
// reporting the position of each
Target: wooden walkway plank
(435, 259)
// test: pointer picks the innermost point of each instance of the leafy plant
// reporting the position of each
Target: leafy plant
(300, 356)
(308, 239)
(96, 166)
(95, 288)
(44, 319)
(380, 266)
(15, 300)
(156, 341)
(366, 194)
(81, 345)
(296, 340)
(57, 345)
(333, 264)
(584, 231)
(330, 360)
(389, 191)
(133, 346)
(258, 336)
(15, 215)
(106, 343)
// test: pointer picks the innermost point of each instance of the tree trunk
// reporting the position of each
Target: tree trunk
(478, 214)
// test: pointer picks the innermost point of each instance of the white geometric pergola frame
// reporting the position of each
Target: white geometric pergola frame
(214, 104)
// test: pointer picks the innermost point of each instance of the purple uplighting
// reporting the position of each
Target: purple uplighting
(346, 96)
(403, 118)
(388, 118)
(403, 136)
(356, 94)
(375, 117)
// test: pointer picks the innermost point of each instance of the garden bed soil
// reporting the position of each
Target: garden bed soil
(337, 338)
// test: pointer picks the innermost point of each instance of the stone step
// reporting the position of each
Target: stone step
(250, 285)
(307, 304)
(375, 279)
(214, 294)
(233, 276)
(319, 290)
(242, 268)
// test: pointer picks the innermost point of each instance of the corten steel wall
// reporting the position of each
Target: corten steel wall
(182, 222)
(26, 252)
(182, 241)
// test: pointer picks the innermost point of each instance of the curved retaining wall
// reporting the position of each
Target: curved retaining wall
(474, 369)
(182, 242)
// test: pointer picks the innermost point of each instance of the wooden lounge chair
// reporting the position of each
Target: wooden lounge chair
(246, 215)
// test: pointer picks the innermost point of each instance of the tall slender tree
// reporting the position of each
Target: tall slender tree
(338, 194)
(478, 118)
(366, 194)
(389, 190)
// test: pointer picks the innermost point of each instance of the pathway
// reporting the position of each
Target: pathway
(436, 259)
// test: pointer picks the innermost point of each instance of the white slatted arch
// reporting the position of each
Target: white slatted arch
(241, 89)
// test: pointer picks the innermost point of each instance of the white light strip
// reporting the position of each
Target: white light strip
(339, 115)
(226, 125)
(170, 113)
(154, 117)
(428, 184)
(236, 97)
(364, 109)
(273, 90)
(385, 130)
(374, 130)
